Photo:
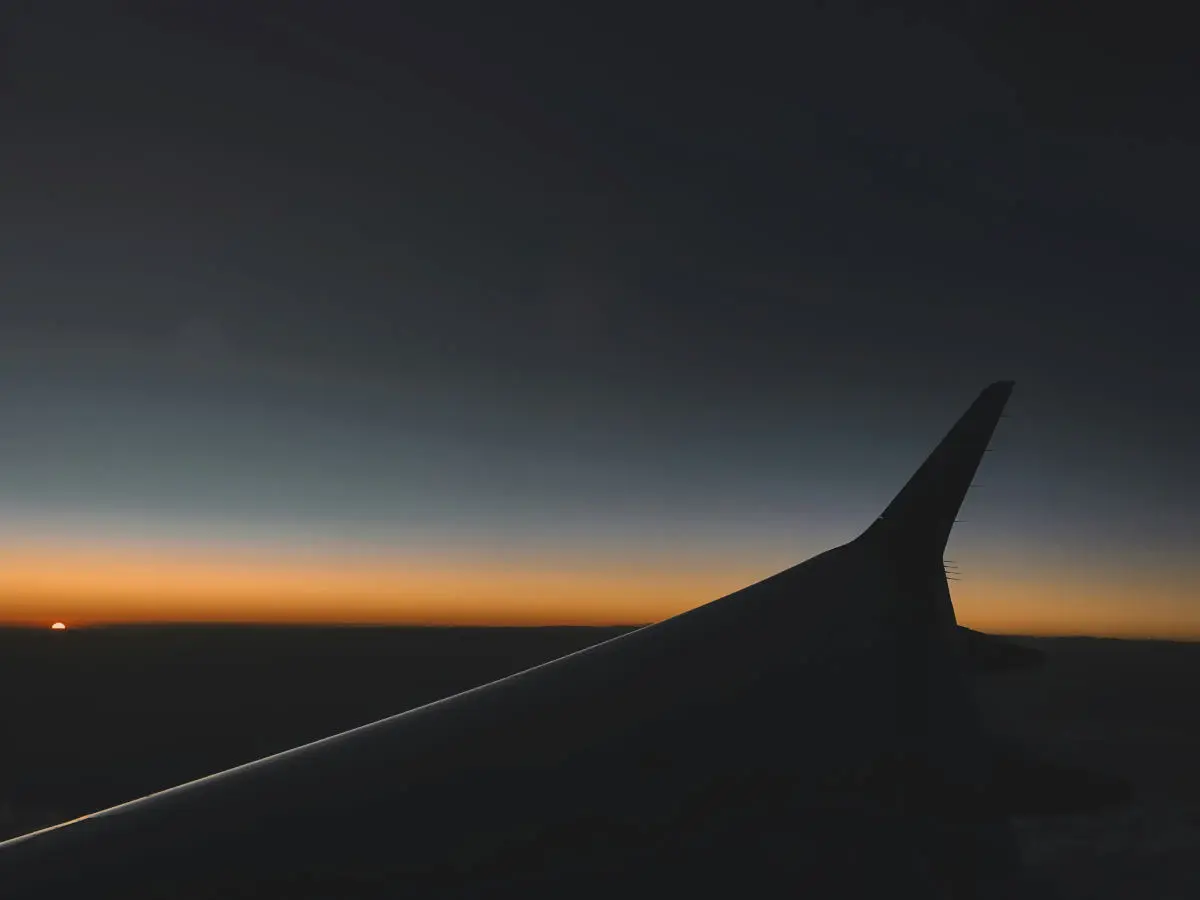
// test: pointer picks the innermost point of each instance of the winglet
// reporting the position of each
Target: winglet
(925, 509)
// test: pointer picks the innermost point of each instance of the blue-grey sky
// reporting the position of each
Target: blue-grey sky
(562, 294)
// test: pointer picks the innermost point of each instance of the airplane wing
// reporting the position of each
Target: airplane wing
(816, 725)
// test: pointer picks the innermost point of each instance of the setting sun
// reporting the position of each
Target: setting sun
(58, 626)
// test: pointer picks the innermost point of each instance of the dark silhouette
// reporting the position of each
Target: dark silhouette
(988, 653)
(815, 731)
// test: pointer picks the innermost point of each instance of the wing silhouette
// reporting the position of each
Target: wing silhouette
(815, 728)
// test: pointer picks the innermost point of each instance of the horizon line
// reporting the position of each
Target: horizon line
(25, 625)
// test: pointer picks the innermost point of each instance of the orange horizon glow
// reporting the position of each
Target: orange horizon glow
(128, 585)
(91, 588)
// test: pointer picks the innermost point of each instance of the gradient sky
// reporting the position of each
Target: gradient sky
(320, 313)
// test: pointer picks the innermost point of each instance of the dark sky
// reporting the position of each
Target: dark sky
(594, 285)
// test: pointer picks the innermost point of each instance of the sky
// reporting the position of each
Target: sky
(333, 312)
